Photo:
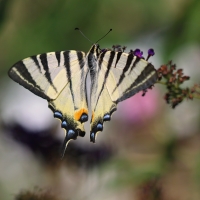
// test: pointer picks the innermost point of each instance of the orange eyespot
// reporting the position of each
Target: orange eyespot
(78, 113)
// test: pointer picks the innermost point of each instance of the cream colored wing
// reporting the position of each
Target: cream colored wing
(47, 74)
(59, 77)
(126, 74)
(119, 76)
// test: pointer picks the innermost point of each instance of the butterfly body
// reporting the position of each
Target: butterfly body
(60, 78)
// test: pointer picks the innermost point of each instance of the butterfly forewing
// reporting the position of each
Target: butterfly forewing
(47, 74)
(129, 74)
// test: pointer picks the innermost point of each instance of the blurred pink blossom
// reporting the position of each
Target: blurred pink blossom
(138, 108)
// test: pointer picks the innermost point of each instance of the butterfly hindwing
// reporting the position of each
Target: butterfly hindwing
(71, 107)
(101, 104)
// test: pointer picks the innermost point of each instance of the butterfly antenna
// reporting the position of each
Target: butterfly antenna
(104, 35)
(77, 29)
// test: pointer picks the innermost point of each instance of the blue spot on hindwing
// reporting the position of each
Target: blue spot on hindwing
(84, 118)
(58, 115)
(92, 137)
(106, 117)
(64, 124)
(71, 134)
(99, 127)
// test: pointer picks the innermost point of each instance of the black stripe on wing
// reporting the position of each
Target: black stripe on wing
(21, 75)
(81, 64)
(34, 58)
(134, 63)
(137, 85)
(58, 57)
(122, 76)
(110, 61)
(68, 71)
(118, 57)
(101, 59)
(80, 59)
(44, 61)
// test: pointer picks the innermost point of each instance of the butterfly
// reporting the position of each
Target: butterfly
(60, 78)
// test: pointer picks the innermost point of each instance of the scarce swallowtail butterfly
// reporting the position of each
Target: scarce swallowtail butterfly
(60, 78)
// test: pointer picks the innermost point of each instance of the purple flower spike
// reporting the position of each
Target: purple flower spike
(150, 53)
(138, 53)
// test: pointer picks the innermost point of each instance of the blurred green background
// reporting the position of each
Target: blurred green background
(148, 151)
